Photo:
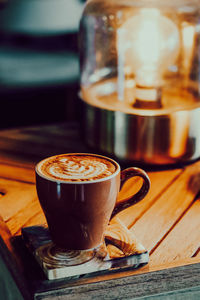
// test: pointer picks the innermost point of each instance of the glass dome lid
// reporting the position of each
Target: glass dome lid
(140, 54)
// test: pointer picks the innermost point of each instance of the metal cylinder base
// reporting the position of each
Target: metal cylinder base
(151, 138)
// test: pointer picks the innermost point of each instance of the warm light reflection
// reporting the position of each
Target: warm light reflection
(188, 33)
(179, 133)
(148, 43)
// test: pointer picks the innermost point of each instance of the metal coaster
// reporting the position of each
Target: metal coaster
(57, 264)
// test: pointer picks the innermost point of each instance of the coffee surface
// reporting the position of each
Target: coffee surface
(76, 167)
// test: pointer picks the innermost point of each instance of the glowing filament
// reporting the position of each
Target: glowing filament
(149, 43)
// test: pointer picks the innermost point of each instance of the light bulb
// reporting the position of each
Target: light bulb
(148, 43)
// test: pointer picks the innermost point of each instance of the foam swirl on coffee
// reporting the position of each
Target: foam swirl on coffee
(76, 167)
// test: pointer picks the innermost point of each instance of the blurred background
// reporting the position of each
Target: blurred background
(39, 61)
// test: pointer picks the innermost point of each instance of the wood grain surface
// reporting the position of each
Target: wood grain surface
(166, 222)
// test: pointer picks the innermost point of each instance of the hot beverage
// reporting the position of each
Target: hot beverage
(69, 167)
(78, 195)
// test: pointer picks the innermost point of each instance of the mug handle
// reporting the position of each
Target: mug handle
(126, 174)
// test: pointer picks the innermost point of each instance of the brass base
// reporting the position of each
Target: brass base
(158, 137)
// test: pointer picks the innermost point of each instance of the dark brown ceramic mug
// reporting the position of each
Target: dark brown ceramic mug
(78, 195)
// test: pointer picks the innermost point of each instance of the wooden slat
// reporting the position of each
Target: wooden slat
(22, 205)
(160, 181)
(185, 235)
(20, 173)
(58, 130)
(15, 159)
(24, 217)
(40, 142)
(35, 219)
(17, 196)
(5, 234)
(160, 218)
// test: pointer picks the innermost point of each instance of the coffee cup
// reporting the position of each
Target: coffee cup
(78, 193)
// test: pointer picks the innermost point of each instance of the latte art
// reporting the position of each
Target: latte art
(76, 167)
(70, 168)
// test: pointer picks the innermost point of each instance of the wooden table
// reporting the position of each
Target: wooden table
(167, 223)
